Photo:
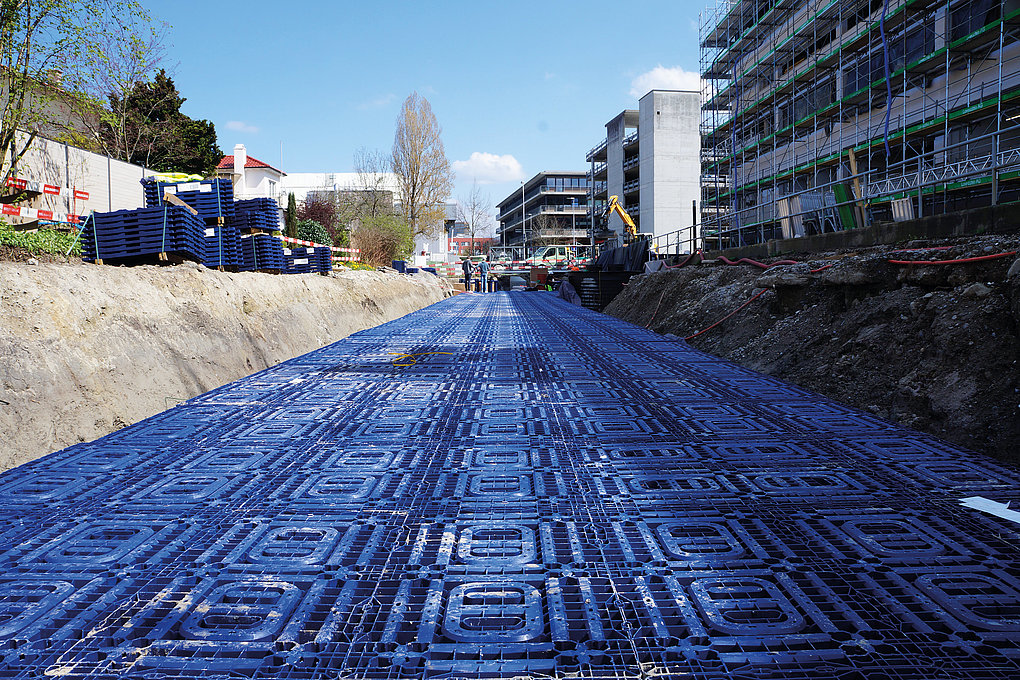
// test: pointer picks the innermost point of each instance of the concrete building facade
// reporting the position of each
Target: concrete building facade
(650, 161)
(822, 115)
(303, 183)
(550, 208)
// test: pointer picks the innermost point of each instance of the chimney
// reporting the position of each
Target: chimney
(240, 160)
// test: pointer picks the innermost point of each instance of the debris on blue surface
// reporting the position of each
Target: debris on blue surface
(507, 485)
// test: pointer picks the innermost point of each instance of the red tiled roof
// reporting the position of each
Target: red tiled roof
(228, 162)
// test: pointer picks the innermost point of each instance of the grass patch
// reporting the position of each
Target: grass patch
(44, 241)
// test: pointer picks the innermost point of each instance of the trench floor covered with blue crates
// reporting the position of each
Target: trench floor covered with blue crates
(505, 485)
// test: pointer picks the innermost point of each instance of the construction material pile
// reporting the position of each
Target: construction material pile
(198, 221)
(932, 344)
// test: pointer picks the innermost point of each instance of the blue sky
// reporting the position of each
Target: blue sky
(517, 87)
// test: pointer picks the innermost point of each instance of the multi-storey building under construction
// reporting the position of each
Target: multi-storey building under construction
(821, 115)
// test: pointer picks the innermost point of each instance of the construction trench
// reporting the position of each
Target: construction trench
(506, 485)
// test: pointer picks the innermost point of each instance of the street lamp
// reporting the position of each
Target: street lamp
(524, 225)
(573, 221)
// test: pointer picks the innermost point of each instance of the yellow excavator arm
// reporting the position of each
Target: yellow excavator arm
(614, 206)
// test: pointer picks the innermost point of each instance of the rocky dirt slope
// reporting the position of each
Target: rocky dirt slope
(933, 347)
(85, 349)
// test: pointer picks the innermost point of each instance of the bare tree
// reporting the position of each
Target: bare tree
(474, 212)
(124, 116)
(544, 230)
(420, 163)
(375, 196)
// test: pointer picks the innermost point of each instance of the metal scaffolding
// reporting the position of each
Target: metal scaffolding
(822, 115)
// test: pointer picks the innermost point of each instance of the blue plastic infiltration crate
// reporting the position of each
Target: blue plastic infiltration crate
(258, 214)
(299, 260)
(212, 198)
(508, 486)
(323, 259)
(145, 231)
(261, 252)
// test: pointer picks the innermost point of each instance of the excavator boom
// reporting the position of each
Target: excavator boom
(614, 206)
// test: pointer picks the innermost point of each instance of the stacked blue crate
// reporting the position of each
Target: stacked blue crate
(299, 260)
(323, 259)
(213, 199)
(146, 231)
(222, 245)
(261, 252)
(258, 214)
(509, 486)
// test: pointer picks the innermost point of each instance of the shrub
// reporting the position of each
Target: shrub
(384, 238)
(310, 230)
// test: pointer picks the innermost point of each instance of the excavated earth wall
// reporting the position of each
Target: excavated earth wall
(86, 350)
(933, 347)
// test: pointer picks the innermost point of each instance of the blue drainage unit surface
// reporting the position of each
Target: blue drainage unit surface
(507, 485)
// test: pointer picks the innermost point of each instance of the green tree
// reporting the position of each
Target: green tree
(145, 126)
(290, 216)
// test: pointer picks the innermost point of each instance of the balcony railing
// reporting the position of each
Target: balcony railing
(575, 209)
(716, 181)
(564, 190)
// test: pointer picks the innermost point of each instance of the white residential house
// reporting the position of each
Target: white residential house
(252, 178)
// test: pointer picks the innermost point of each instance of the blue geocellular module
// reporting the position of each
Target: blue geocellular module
(508, 486)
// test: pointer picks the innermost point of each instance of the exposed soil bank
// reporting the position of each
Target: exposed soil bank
(933, 347)
(86, 350)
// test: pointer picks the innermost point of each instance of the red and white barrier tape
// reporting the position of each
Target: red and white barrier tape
(335, 249)
(351, 254)
(33, 213)
(48, 189)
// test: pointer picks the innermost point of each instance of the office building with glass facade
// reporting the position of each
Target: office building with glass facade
(551, 208)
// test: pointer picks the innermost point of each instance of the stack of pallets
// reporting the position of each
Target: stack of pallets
(257, 214)
(323, 262)
(298, 260)
(261, 252)
(124, 234)
(213, 199)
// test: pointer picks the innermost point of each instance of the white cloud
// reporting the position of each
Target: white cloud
(377, 103)
(662, 78)
(488, 168)
(241, 126)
